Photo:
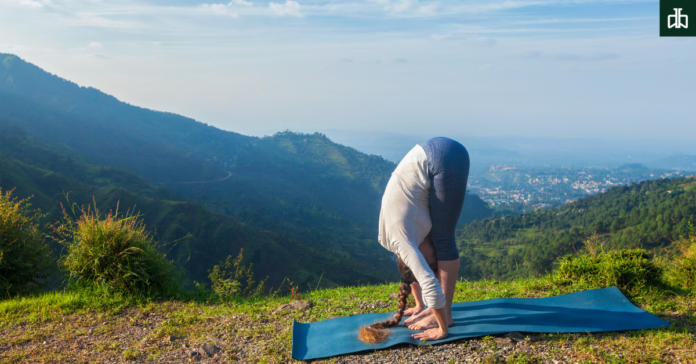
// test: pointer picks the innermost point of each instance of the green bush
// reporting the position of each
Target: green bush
(233, 279)
(25, 257)
(624, 268)
(117, 253)
(684, 270)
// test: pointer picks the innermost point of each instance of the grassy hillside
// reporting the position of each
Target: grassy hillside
(75, 327)
(94, 324)
(647, 215)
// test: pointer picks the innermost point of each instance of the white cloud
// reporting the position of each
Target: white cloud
(95, 45)
(427, 9)
(531, 54)
(290, 8)
(486, 67)
(474, 39)
(396, 6)
(602, 56)
(229, 9)
(591, 57)
(480, 40)
(399, 6)
(94, 20)
(30, 3)
(240, 2)
(220, 9)
(441, 37)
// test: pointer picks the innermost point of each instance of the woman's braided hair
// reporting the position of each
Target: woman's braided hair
(376, 333)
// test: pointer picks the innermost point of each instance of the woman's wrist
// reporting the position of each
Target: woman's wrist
(441, 318)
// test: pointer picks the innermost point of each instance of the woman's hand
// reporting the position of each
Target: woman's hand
(437, 333)
(432, 334)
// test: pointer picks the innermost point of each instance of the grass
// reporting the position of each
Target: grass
(625, 268)
(116, 253)
(96, 323)
(25, 259)
(141, 329)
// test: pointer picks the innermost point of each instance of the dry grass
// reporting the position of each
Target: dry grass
(61, 328)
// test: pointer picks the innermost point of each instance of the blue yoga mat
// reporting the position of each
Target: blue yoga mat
(597, 310)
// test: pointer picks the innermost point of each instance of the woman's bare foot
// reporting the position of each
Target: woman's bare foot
(425, 322)
(413, 311)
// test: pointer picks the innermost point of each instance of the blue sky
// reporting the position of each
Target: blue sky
(537, 68)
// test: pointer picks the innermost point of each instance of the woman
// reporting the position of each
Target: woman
(420, 210)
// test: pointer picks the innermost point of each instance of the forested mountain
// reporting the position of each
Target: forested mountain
(648, 215)
(300, 192)
(214, 235)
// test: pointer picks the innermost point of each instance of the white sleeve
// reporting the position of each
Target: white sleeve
(430, 287)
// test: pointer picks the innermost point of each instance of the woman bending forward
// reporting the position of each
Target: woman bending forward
(420, 210)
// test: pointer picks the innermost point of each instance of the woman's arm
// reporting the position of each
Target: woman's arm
(431, 290)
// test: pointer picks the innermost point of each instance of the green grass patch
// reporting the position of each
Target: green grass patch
(115, 253)
(25, 258)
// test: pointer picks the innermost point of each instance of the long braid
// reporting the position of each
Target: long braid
(376, 333)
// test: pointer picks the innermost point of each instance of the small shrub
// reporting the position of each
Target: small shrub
(117, 253)
(130, 355)
(624, 268)
(684, 270)
(233, 279)
(25, 257)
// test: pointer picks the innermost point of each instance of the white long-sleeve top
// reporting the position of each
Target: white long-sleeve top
(404, 221)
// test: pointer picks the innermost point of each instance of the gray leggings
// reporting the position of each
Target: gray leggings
(448, 170)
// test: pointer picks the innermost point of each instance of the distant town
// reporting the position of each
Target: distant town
(530, 188)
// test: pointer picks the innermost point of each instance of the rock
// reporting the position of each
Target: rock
(169, 339)
(296, 305)
(505, 341)
(394, 296)
(523, 344)
(515, 336)
(210, 349)
(195, 355)
(214, 339)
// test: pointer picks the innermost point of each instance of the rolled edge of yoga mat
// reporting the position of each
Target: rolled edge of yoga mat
(591, 311)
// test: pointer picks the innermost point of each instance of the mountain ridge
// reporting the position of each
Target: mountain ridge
(297, 189)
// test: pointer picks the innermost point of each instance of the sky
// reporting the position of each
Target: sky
(494, 68)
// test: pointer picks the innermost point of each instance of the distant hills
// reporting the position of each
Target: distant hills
(301, 206)
(680, 161)
(647, 215)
